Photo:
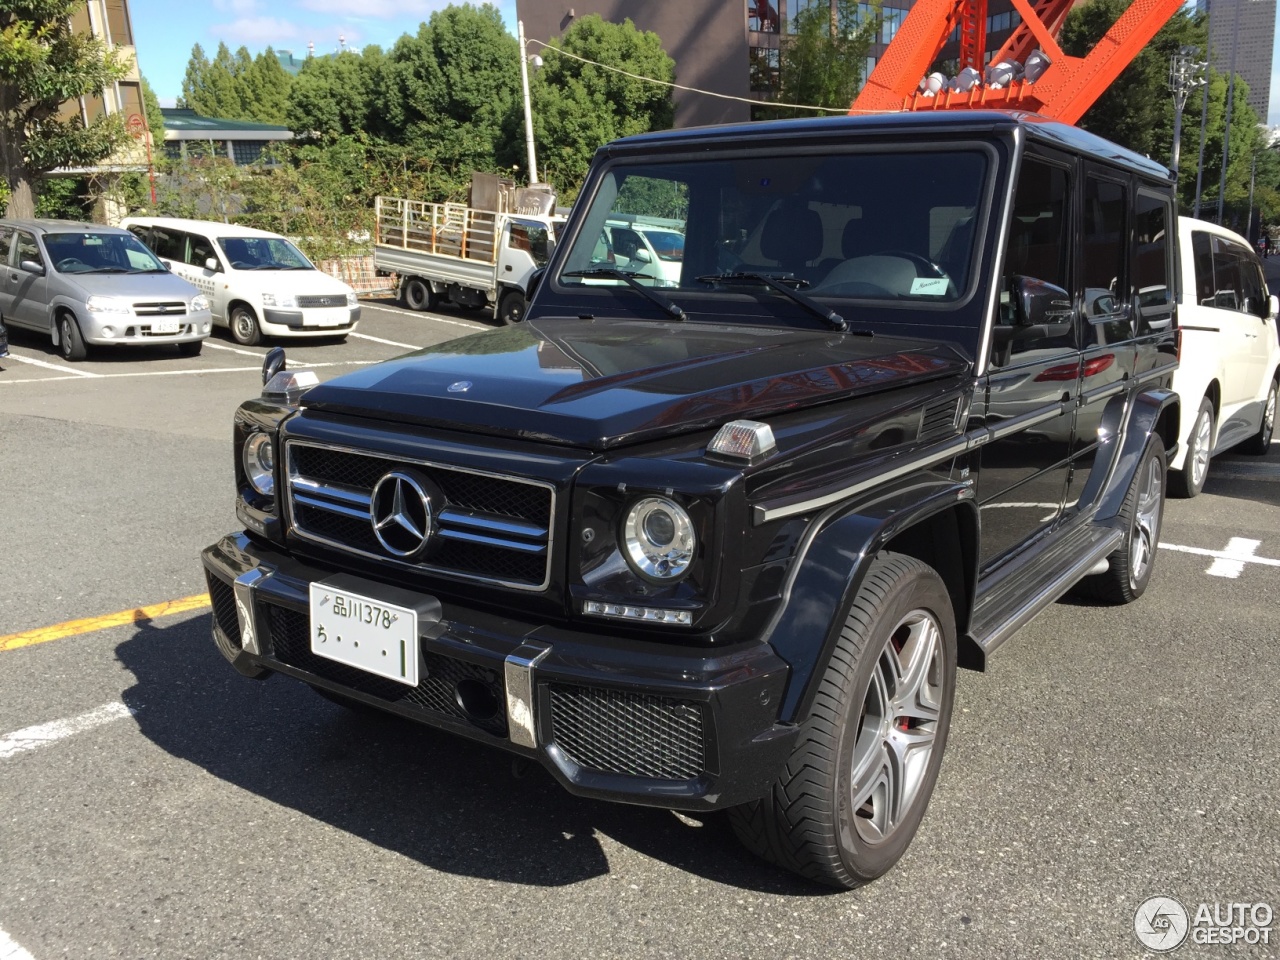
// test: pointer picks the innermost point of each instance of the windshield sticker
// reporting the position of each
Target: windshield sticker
(929, 286)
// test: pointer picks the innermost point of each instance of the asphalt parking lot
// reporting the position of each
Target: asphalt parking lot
(155, 804)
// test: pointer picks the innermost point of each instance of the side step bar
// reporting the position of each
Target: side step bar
(1015, 598)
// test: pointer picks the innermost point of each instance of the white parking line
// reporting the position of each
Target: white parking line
(430, 316)
(223, 346)
(50, 366)
(389, 343)
(188, 373)
(10, 949)
(41, 734)
(1239, 552)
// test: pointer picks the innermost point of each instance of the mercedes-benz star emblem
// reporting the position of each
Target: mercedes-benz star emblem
(401, 513)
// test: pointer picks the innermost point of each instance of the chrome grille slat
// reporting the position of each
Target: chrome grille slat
(491, 528)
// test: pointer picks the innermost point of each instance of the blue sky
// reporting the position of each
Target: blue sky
(164, 40)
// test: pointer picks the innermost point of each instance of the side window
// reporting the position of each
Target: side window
(167, 244)
(1151, 263)
(6, 243)
(1039, 244)
(1202, 254)
(531, 238)
(1102, 261)
(27, 249)
(1253, 290)
(1228, 292)
(199, 251)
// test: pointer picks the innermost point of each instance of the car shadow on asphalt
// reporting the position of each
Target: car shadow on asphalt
(445, 802)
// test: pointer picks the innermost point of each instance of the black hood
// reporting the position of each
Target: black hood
(603, 383)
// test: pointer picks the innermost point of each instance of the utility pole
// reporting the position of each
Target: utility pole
(528, 109)
(1184, 76)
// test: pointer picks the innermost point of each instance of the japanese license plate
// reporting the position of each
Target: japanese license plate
(164, 326)
(365, 633)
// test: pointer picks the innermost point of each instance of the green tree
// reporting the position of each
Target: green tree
(210, 87)
(43, 65)
(823, 59)
(448, 88)
(333, 96)
(155, 118)
(265, 88)
(580, 103)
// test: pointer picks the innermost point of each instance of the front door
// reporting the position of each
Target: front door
(30, 306)
(1031, 388)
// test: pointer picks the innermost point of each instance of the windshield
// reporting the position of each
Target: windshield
(263, 253)
(893, 225)
(90, 252)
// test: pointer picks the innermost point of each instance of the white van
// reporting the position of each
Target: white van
(1229, 360)
(258, 283)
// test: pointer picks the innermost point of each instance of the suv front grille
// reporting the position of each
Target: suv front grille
(487, 528)
(638, 735)
(328, 300)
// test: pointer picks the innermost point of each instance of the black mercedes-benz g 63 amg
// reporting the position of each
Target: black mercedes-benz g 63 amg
(722, 541)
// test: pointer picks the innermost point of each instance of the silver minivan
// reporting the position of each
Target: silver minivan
(88, 284)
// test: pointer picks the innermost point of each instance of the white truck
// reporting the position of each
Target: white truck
(469, 256)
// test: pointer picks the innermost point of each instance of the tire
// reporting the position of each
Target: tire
(416, 294)
(1260, 442)
(1189, 481)
(191, 348)
(244, 327)
(511, 307)
(70, 344)
(1142, 512)
(877, 725)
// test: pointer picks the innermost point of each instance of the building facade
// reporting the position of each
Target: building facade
(1241, 36)
(731, 48)
(109, 21)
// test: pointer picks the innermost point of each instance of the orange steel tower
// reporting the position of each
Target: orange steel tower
(1064, 91)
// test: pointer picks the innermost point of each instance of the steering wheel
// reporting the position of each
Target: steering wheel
(71, 262)
(918, 260)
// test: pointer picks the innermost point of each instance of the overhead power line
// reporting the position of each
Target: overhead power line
(678, 86)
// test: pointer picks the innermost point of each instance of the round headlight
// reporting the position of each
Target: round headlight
(658, 539)
(259, 463)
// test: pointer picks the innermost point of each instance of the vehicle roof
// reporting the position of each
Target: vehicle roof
(906, 123)
(1187, 224)
(211, 228)
(59, 226)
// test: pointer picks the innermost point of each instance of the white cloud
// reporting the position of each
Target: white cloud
(256, 30)
(381, 9)
(241, 8)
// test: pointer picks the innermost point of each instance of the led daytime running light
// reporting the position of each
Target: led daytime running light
(625, 611)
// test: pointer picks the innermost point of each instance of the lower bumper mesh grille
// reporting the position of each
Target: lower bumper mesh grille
(223, 599)
(436, 690)
(639, 735)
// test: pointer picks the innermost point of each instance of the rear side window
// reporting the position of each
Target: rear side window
(1151, 263)
(1102, 260)
(6, 241)
(170, 244)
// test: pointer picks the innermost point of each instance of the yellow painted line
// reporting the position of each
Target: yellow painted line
(88, 625)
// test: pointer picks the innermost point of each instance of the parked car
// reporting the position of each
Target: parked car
(259, 284)
(86, 284)
(4, 341)
(647, 248)
(1230, 354)
(723, 542)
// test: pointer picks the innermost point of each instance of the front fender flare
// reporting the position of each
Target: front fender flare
(829, 567)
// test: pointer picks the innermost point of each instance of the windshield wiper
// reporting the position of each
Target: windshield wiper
(779, 283)
(107, 270)
(672, 310)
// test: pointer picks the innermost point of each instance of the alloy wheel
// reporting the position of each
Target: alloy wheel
(1146, 520)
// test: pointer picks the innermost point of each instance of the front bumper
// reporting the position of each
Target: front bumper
(311, 321)
(105, 329)
(611, 719)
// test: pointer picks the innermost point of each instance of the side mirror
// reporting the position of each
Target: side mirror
(212, 265)
(642, 255)
(1040, 310)
(36, 267)
(1273, 306)
(273, 364)
(535, 279)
